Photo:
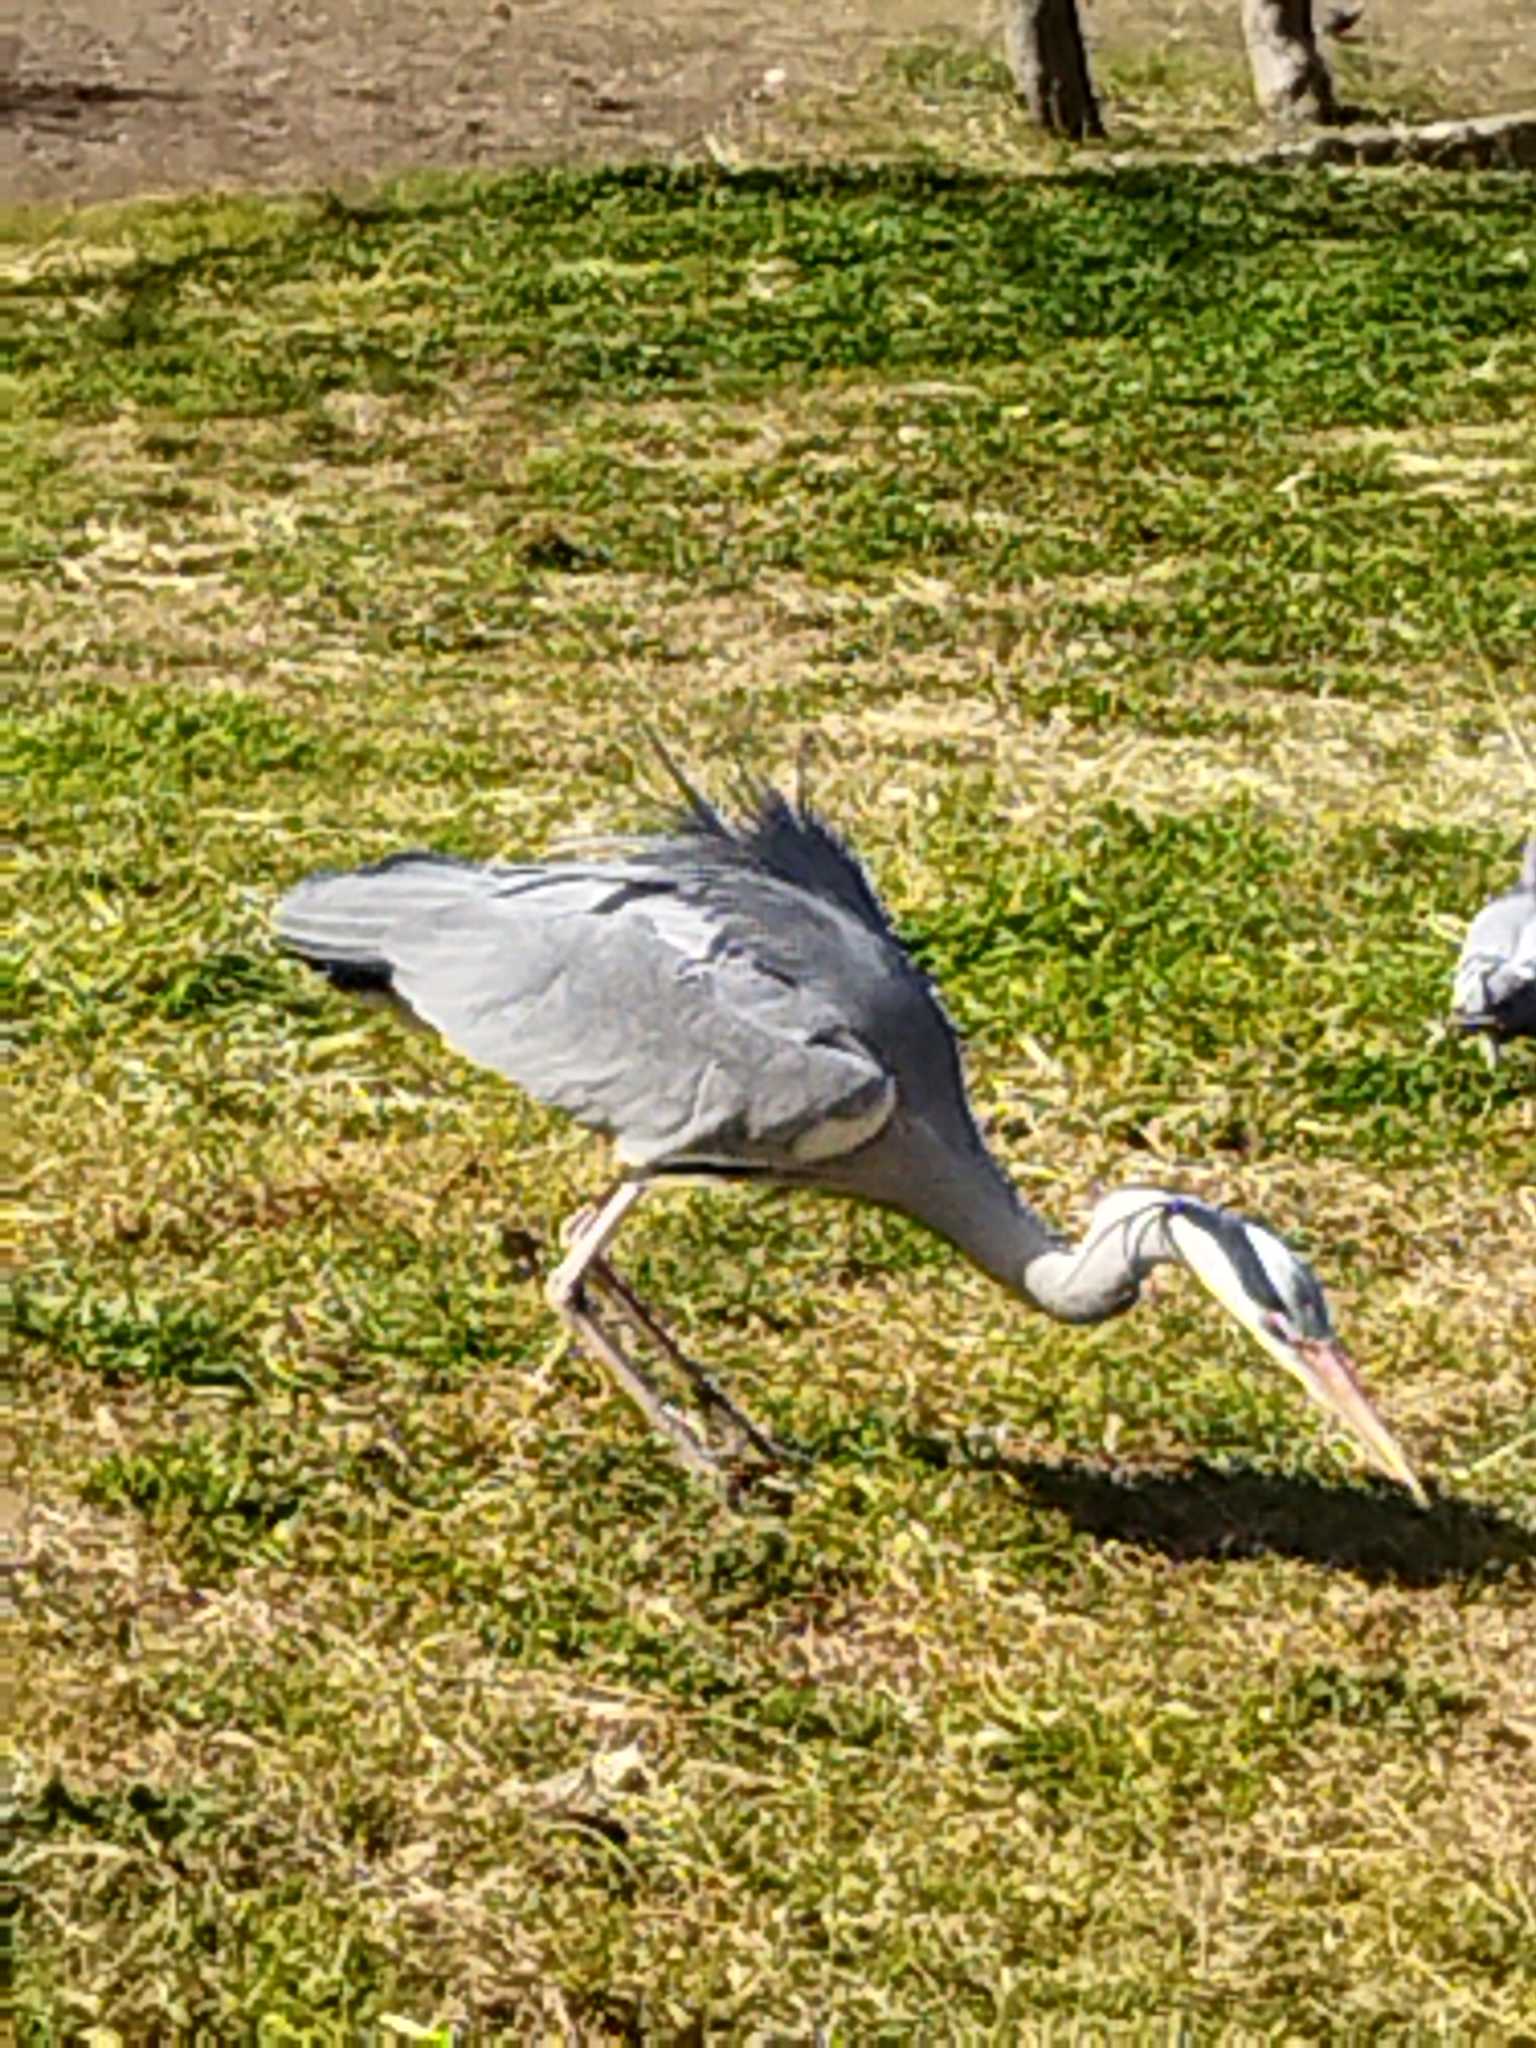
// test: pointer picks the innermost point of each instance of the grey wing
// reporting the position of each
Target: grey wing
(608, 997)
(1495, 981)
(1510, 988)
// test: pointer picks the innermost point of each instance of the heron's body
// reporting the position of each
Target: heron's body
(719, 1003)
(732, 1000)
(1495, 986)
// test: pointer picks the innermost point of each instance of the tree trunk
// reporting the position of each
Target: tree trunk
(1043, 42)
(1289, 75)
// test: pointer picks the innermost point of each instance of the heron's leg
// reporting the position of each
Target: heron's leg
(708, 1388)
(566, 1294)
(587, 1236)
(685, 1440)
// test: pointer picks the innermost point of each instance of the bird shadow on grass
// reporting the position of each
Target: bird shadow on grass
(1202, 1512)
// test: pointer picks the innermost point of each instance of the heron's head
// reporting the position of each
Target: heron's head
(1279, 1301)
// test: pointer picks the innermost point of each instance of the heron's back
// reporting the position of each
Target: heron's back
(1495, 984)
(726, 995)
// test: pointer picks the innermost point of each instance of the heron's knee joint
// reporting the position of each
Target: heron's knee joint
(563, 1294)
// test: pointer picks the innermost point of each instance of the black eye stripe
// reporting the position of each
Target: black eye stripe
(1231, 1234)
(1304, 1310)
(1233, 1240)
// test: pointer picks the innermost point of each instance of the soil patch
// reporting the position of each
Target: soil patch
(103, 99)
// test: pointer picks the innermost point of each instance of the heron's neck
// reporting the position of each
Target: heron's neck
(1086, 1282)
(959, 1189)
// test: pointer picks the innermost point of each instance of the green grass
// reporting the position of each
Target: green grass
(1149, 559)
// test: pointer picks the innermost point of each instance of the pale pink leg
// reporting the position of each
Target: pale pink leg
(566, 1294)
(708, 1388)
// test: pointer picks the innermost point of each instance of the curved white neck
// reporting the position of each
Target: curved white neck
(961, 1191)
(1101, 1276)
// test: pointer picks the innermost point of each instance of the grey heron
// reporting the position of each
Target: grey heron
(730, 1000)
(1494, 991)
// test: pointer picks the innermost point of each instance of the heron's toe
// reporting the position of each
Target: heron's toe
(573, 1226)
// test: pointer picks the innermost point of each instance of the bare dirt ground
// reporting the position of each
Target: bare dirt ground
(103, 99)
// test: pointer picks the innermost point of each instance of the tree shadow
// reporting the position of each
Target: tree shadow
(67, 103)
(1202, 1512)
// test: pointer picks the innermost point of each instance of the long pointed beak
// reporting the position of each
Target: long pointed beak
(1322, 1364)
(1327, 1372)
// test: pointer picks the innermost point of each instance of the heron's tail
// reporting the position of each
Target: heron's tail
(340, 922)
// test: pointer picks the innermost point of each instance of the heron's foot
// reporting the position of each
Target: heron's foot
(744, 1483)
(713, 1398)
(688, 1445)
(749, 1435)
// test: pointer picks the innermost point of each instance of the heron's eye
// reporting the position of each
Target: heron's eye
(1277, 1326)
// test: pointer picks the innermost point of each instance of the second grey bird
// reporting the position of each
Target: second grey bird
(731, 1001)
(1494, 992)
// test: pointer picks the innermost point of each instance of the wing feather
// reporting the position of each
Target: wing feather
(1494, 987)
(608, 993)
